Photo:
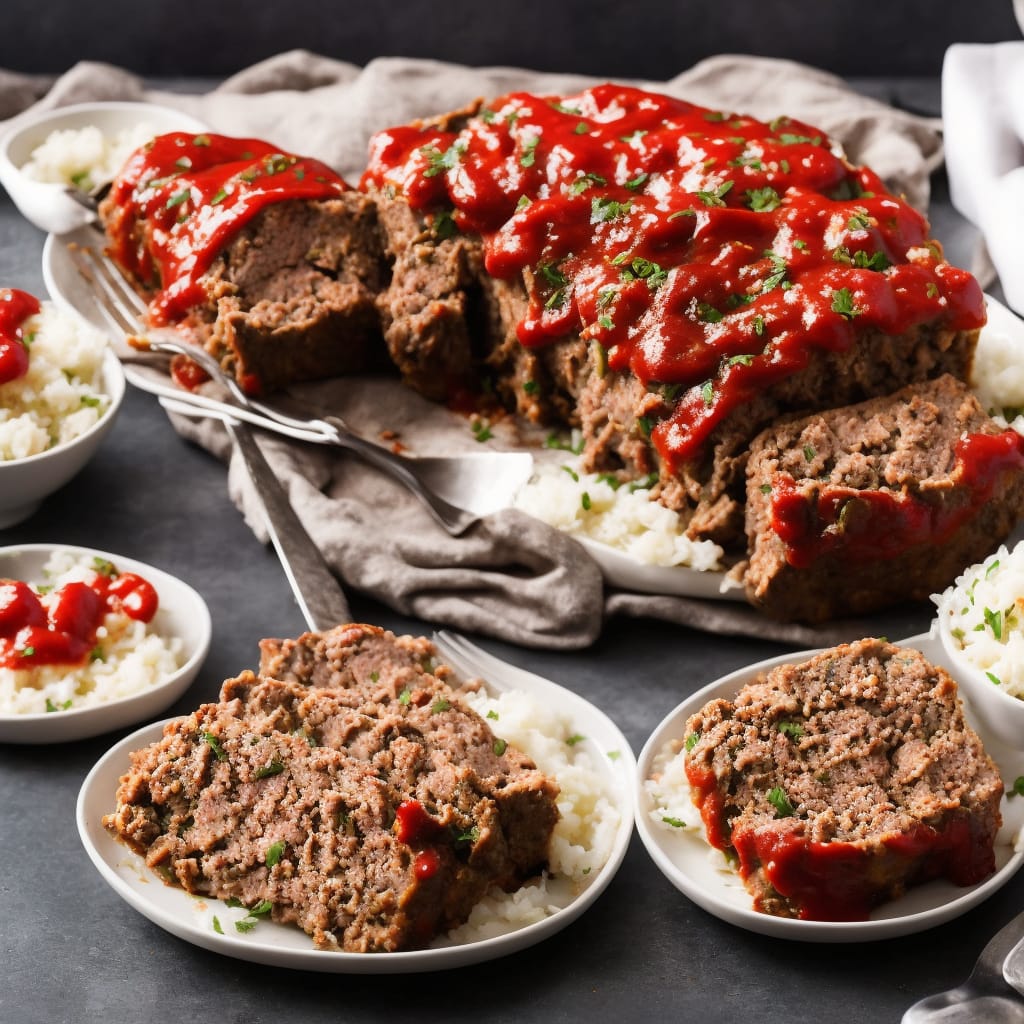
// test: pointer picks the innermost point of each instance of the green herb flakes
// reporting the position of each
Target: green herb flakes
(274, 853)
(674, 822)
(585, 501)
(715, 197)
(439, 706)
(499, 748)
(777, 798)
(692, 740)
(405, 696)
(791, 729)
(216, 925)
(274, 767)
(575, 738)
(842, 303)
(481, 430)
(763, 200)
(493, 715)
(214, 744)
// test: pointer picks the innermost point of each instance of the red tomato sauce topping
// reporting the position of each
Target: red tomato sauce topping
(189, 195)
(63, 631)
(705, 252)
(16, 307)
(886, 523)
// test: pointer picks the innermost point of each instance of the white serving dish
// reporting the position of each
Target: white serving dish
(182, 612)
(51, 206)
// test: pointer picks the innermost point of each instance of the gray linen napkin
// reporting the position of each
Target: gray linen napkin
(510, 576)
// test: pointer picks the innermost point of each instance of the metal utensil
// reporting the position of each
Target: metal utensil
(496, 475)
(986, 995)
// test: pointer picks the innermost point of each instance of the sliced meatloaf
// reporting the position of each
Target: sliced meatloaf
(267, 259)
(854, 508)
(842, 781)
(667, 278)
(357, 795)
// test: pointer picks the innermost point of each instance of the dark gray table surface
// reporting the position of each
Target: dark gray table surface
(73, 951)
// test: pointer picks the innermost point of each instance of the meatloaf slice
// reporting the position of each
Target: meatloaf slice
(854, 508)
(840, 782)
(372, 808)
(292, 297)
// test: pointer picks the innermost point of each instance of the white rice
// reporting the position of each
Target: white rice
(583, 838)
(984, 610)
(622, 516)
(84, 157)
(998, 377)
(61, 396)
(672, 809)
(133, 657)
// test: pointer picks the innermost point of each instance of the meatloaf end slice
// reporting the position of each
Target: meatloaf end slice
(840, 782)
(852, 509)
(292, 297)
(372, 813)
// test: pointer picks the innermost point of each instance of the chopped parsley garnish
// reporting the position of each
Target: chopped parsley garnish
(574, 444)
(274, 853)
(178, 198)
(575, 738)
(994, 621)
(499, 748)
(707, 393)
(63, 706)
(440, 705)
(842, 303)
(791, 729)
(646, 270)
(744, 360)
(758, 325)
(674, 822)
(689, 212)
(529, 154)
(471, 835)
(572, 472)
(777, 278)
(707, 313)
(993, 678)
(763, 200)
(492, 714)
(604, 209)
(932, 291)
(646, 425)
(27, 652)
(1017, 789)
(216, 925)
(715, 197)
(275, 767)
(219, 196)
(481, 430)
(777, 798)
(582, 128)
(214, 744)
(405, 696)
(859, 222)
(809, 452)
(523, 203)
(104, 567)
(789, 139)
(438, 162)
(443, 225)
(766, 488)
(530, 387)
(635, 184)
(585, 181)
(201, 140)
(585, 501)
(866, 261)
(692, 740)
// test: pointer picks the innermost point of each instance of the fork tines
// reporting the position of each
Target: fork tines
(118, 303)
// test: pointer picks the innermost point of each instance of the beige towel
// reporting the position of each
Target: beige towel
(510, 576)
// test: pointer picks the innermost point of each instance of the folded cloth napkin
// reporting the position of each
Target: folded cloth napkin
(509, 576)
(983, 128)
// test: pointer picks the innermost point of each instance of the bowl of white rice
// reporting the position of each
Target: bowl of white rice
(981, 626)
(53, 417)
(49, 157)
(134, 671)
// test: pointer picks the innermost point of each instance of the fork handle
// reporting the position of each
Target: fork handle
(454, 520)
(319, 595)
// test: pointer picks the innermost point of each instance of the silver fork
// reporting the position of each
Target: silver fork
(318, 593)
(494, 476)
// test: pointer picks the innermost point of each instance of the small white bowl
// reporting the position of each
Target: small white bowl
(182, 613)
(49, 205)
(1000, 713)
(25, 482)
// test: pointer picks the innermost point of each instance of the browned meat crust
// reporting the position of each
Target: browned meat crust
(903, 446)
(357, 794)
(842, 781)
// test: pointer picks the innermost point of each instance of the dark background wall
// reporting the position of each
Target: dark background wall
(643, 38)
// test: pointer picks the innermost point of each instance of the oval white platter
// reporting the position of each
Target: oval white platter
(690, 864)
(191, 918)
(182, 613)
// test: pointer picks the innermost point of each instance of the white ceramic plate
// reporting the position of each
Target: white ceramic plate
(270, 943)
(48, 205)
(686, 859)
(182, 612)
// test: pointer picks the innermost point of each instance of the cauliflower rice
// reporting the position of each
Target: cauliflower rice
(84, 157)
(134, 657)
(998, 377)
(61, 396)
(984, 610)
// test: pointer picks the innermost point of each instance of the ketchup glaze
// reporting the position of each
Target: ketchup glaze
(706, 253)
(885, 523)
(62, 630)
(181, 198)
(16, 307)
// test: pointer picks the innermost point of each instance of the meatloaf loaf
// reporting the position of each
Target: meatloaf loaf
(668, 278)
(268, 259)
(840, 782)
(357, 795)
(852, 509)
